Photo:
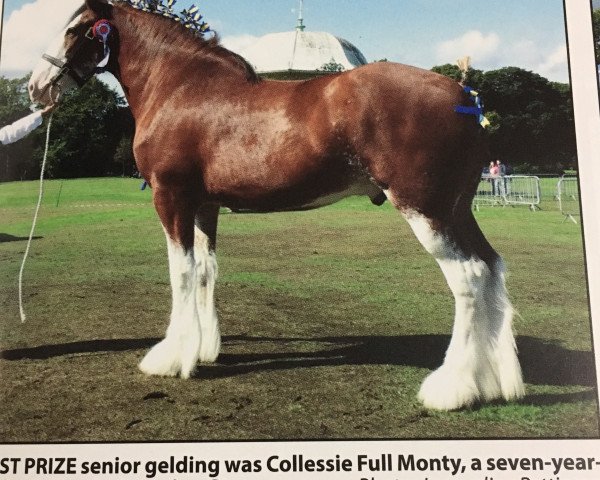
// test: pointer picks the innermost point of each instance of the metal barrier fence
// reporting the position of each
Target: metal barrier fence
(567, 193)
(508, 190)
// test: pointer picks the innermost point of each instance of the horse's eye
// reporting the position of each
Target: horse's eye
(71, 31)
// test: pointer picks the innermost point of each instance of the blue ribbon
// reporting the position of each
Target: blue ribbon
(477, 110)
(468, 110)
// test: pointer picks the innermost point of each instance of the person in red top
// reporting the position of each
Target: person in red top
(494, 170)
(495, 173)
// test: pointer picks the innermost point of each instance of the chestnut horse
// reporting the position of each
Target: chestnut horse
(211, 133)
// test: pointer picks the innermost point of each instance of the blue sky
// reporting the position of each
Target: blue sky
(525, 33)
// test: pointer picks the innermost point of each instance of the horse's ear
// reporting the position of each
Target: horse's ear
(98, 6)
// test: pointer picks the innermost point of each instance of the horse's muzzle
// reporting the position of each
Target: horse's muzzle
(39, 95)
(48, 90)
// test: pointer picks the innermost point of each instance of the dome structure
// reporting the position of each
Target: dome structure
(300, 51)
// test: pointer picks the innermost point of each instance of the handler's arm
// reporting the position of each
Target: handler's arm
(21, 128)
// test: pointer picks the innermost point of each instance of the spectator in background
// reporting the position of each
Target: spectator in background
(505, 182)
(23, 127)
(494, 174)
(501, 168)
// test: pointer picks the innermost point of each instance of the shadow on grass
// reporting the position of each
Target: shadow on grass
(543, 363)
(549, 363)
(6, 237)
(554, 398)
(44, 352)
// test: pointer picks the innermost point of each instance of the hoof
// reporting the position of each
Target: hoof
(171, 358)
(162, 360)
(446, 389)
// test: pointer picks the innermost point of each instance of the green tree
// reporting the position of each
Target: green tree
(473, 78)
(14, 100)
(537, 124)
(86, 129)
(532, 124)
(123, 161)
(596, 29)
(16, 160)
(332, 66)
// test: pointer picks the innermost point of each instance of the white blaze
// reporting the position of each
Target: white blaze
(45, 72)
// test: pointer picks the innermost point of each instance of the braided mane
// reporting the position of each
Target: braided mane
(189, 18)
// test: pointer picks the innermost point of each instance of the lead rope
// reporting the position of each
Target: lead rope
(35, 216)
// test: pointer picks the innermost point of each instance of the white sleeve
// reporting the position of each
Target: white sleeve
(21, 128)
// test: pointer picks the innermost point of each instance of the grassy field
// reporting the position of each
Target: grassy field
(331, 319)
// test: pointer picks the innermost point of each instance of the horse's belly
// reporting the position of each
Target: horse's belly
(363, 188)
(304, 196)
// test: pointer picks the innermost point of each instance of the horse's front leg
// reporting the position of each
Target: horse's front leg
(179, 352)
(206, 275)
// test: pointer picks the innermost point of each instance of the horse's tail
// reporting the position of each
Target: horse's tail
(464, 64)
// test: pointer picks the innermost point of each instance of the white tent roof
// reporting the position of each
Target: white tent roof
(301, 50)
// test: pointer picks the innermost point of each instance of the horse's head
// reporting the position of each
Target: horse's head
(76, 54)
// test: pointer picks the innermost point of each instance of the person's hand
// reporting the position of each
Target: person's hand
(47, 110)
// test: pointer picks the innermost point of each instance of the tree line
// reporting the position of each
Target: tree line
(91, 134)
(532, 126)
(532, 123)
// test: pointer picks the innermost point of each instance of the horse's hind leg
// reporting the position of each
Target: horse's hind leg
(178, 353)
(481, 362)
(206, 275)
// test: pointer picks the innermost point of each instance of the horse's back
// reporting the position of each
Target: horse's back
(402, 92)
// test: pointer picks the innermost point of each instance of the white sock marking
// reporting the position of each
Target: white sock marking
(178, 353)
(481, 361)
(206, 275)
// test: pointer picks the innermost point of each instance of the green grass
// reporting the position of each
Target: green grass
(331, 319)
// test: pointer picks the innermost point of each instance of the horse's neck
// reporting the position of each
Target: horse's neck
(143, 67)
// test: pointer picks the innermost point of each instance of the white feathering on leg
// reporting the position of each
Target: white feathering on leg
(481, 362)
(178, 353)
(207, 271)
(206, 275)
